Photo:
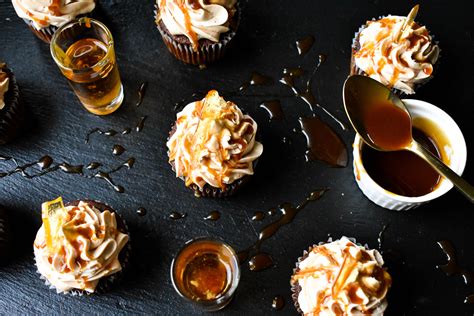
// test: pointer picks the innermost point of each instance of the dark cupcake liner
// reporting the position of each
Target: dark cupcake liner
(105, 284)
(206, 53)
(45, 34)
(295, 287)
(4, 235)
(12, 115)
(208, 190)
(354, 70)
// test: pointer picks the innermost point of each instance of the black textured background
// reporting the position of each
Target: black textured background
(58, 124)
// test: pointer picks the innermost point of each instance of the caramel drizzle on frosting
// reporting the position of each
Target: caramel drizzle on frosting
(369, 49)
(54, 7)
(187, 23)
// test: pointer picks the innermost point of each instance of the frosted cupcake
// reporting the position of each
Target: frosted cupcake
(197, 32)
(11, 107)
(212, 146)
(402, 60)
(81, 247)
(340, 278)
(44, 17)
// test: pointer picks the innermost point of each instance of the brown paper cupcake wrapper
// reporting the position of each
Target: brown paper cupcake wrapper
(12, 115)
(208, 190)
(206, 54)
(105, 284)
(354, 70)
(296, 288)
(44, 34)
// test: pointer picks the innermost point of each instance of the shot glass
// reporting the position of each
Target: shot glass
(206, 272)
(84, 51)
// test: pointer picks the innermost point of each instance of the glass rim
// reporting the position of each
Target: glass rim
(234, 282)
(79, 21)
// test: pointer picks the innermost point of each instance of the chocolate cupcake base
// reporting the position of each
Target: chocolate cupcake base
(106, 283)
(207, 52)
(44, 34)
(12, 115)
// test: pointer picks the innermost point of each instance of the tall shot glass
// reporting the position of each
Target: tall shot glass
(84, 51)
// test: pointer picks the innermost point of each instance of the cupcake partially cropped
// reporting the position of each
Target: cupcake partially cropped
(197, 32)
(212, 146)
(82, 247)
(402, 60)
(11, 107)
(340, 278)
(44, 17)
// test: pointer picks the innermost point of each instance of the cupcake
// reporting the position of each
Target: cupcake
(212, 146)
(82, 247)
(44, 17)
(4, 235)
(197, 31)
(11, 109)
(402, 60)
(340, 278)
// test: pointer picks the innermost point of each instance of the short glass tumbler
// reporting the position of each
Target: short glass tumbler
(206, 272)
(84, 51)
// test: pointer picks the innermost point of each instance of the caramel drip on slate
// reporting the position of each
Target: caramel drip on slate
(117, 150)
(452, 267)
(256, 79)
(258, 216)
(213, 216)
(278, 302)
(259, 260)
(304, 45)
(141, 211)
(47, 165)
(112, 132)
(273, 107)
(323, 143)
(141, 93)
(288, 79)
(177, 215)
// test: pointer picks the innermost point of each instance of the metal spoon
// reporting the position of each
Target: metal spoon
(360, 92)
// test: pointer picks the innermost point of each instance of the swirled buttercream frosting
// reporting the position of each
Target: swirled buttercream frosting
(396, 58)
(341, 278)
(83, 248)
(213, 143)
(43, 13)
(196, 19)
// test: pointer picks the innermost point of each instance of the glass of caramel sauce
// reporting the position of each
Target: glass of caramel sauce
(206, 272)
(84, 51)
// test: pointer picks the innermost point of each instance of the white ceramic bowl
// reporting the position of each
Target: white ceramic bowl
(454, 154)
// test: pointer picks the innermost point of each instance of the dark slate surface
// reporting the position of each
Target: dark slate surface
(58, 125)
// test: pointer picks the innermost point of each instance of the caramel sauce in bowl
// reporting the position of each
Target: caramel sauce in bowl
(447, 139)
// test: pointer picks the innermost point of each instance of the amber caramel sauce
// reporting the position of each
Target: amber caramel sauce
(203, 271)
(388, 126)
(94, 76)
(403, 172)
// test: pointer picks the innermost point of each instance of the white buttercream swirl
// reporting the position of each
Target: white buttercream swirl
(214, 143)
(4, 82)
(400, 64)
(90, 244)
(196, 19)
(342, 278)
(43, 13)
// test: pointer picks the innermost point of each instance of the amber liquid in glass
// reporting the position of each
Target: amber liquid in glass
(98, 86)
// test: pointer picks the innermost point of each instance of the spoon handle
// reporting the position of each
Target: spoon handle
(445, 171)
